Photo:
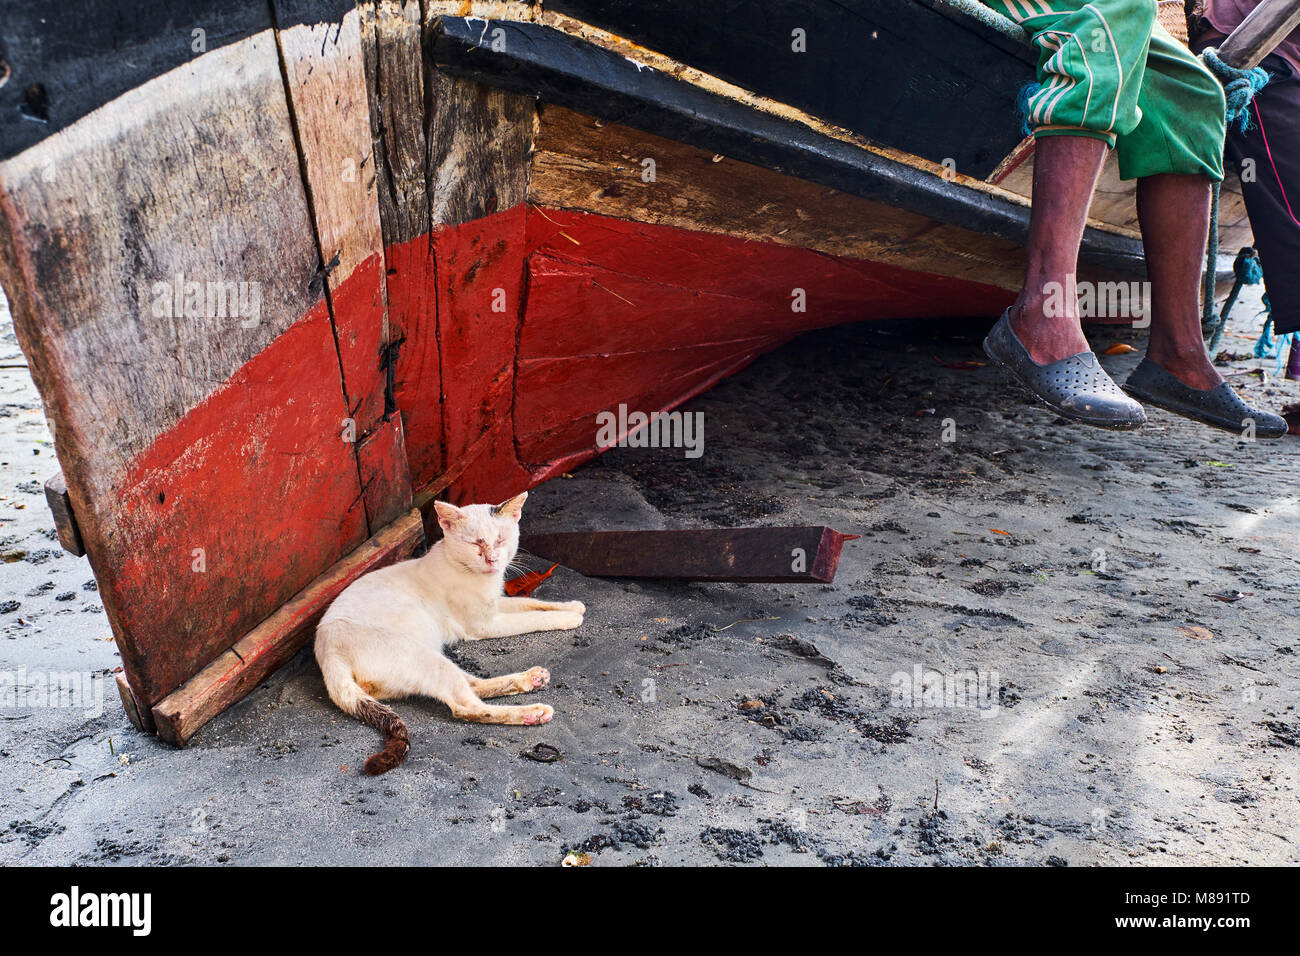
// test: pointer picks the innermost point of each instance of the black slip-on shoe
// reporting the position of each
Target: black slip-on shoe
(1076, 387)
(1219, 406)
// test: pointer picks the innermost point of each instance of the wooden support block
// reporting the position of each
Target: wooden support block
(140, 716)
(269, 645)
(65, 522)
(799, 555)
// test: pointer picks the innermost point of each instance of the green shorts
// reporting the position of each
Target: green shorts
(1108, 70)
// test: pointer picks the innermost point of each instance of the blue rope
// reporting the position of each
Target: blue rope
(1246, 271)
(1239, 86)
(1266, 345)
(1022, 104)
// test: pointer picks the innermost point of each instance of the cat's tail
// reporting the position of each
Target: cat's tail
(353, 700)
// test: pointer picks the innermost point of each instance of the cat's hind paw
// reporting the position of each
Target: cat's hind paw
(538, 676)
(538, 714)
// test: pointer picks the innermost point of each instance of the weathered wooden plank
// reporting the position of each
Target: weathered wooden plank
(480, 298)
(236, 508)
(149, 205)
(325, 70)
(391, 41)
(454, 234)
(324, 66)
(417, 356)
(853, 63)
(797, 555)
(394, 61)
(269, 645)
(65, 521)
(184, 353)
(65, 60)
(647, 287)
(613, 87)
(584, 164)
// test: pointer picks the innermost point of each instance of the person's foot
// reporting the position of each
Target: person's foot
(1190, 365)
(1291, 415)
(1075, 387)
(1219, 405)
(1047, 338)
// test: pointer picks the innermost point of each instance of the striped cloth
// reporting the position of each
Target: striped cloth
(1108, 70)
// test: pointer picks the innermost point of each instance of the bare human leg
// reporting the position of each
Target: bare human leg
(1174, 211)
(1065, 174)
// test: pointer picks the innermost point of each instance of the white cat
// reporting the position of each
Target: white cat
(383, 636)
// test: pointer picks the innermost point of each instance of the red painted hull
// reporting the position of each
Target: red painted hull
(601, 312)
(515, 331)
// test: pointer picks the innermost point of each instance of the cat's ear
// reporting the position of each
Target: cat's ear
(448, 515)
(513, 508)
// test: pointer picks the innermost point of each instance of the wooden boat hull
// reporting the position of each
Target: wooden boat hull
(470, 229)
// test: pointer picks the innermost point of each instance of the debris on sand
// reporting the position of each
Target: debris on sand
(621, 832)
(725, 767)
(1284, 735)
(543, 753)
(800, 647)
(891, 730)
(661, 803)
(732, 846)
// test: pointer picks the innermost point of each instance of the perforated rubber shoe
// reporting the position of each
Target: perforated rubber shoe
(1076, 387)
(1219, 406)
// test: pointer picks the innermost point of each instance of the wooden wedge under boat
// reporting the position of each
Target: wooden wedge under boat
(283, 271)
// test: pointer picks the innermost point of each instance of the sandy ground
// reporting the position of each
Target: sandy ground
(1118, 713)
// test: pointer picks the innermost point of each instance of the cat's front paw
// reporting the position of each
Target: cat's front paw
(566, 620)
(577, 607)
(537, 677)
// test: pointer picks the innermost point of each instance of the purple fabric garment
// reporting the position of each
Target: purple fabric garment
(1226, 15)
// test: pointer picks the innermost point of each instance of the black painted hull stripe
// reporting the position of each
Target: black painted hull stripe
(567, 71)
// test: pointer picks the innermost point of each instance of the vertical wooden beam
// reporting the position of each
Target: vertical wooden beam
(324, 68)
(480, 142)
(451, 164)
(394, 67)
